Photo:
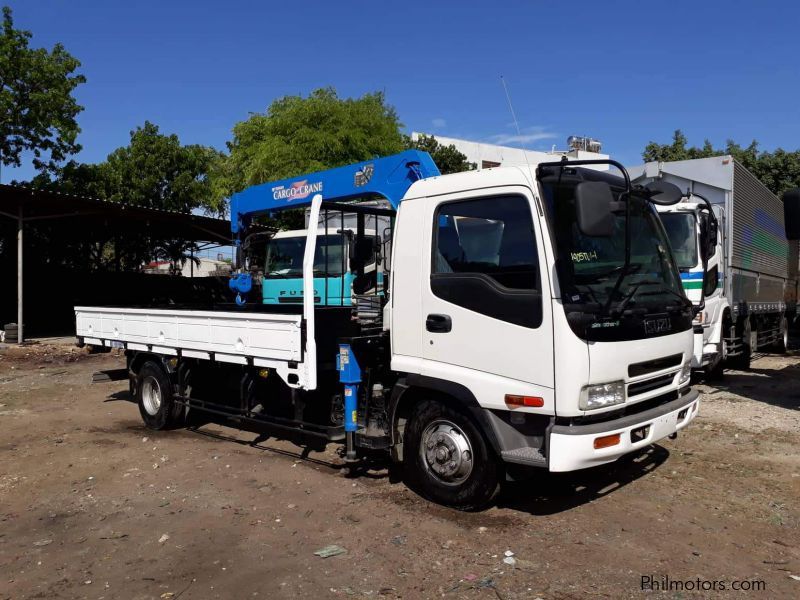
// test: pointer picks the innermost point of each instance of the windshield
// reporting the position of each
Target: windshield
(597, 291)
(682, 233)
(285, 256)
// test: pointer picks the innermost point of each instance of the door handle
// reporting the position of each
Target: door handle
(438, 323)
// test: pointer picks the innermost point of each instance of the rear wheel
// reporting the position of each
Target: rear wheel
(447, 459)
(783, 337)
(154, 396)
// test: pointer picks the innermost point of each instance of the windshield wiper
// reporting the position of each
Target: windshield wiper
(287, 275)
(684, 300)
(626, 269)
(632, 269)
(321, 273)
(624, 302)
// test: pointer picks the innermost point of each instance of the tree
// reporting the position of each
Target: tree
(299, 135)
(447, 158)
(153, 171)
(156, 171)
(79, 179)
(778, 170)
(37, 108)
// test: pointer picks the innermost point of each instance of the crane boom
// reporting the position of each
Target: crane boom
(388, 177)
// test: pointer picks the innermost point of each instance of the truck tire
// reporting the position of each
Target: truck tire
(716, 371)
(154, 396)
(447, 459)
(749, 337)
(783, 337)
(11, 333)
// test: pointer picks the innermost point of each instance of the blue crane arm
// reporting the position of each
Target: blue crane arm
(389, 177)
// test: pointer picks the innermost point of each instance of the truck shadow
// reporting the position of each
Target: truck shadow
(776, 386)
(305, 443)
(541, 493)
(551, 493)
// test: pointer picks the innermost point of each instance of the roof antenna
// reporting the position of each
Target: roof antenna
(516, 123)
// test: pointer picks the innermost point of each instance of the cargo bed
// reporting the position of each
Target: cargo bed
(262, 339)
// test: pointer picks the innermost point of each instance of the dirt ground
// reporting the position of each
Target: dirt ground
(93, 505)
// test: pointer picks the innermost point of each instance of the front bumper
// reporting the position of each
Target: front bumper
(704, 353)
(571, 447)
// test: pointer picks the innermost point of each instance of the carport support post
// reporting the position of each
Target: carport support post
(20, 223)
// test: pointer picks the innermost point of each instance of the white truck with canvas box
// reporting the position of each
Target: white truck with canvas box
(531, 317)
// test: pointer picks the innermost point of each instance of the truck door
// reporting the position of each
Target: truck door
(486, 296)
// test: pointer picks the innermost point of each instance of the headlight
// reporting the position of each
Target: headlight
(599, 396)
(686, 373)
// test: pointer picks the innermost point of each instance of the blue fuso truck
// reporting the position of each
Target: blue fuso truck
(335, 281)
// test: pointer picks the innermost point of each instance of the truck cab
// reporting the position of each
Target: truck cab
(335, 277)
(698, 246)
(571, 354)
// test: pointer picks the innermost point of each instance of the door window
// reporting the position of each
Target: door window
(485, 258)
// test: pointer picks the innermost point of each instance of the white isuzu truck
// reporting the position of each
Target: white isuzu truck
(728, 238)
(532, 317)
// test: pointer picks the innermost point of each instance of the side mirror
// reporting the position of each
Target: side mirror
(593, 208)
(663, 192)
(791, 213)
(712, 237)
(361, 252)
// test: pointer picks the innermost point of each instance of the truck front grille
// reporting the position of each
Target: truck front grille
(651, 366)
(634, 389)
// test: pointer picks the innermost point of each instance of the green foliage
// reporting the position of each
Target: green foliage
(37, 109)
(778, 170)
(300, 135)
(447, 158)
(79, 179)
(156, 171)
(153, 171)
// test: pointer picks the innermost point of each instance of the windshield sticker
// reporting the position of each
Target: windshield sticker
(297, 191)
(603, 324)
(579, 257)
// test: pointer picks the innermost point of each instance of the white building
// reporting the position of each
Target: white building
(486, 156)
(206, 267)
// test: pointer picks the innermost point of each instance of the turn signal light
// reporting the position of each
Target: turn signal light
(515, 401)
(606, 441)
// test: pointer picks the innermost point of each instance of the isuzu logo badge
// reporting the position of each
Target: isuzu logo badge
(660, 325)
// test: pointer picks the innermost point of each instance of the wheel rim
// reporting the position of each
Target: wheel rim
(446, 452)
(151, 395)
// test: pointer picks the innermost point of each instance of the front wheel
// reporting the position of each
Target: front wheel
(716, 370)
(749, 342)
(447, 459)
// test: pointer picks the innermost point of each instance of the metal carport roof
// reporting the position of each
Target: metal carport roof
(25, 205)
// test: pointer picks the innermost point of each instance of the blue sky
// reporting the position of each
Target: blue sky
(622, 72)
